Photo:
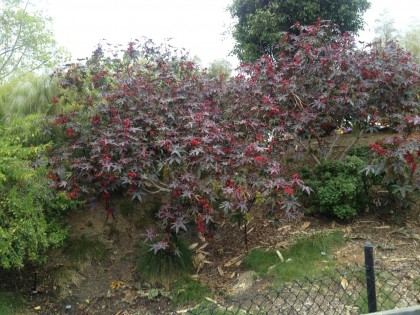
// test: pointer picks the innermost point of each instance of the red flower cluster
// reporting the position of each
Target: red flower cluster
(96, 120)
(61, 119)
(200, 224)
(127, 124)
(260, 159)
(70, 132)
(411, 161)
(376, 148)
(288, 190)
(132, 175)
(176, 193)
(73, 194)
(229, 183)
(195, 142)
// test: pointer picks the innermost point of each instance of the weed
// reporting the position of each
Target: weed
(154, 294)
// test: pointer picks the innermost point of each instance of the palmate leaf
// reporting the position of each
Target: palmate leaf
(188, 194)
(403, 190)
(138, 194)
(370, 169)
(149, 235)
(179, 223)
(290, 203)
(306, 189)
(208, 218)
(243, 206)
(162, 245)
(117, 167)
(196, 152)
(226, 206)
(415, 120)
(188, 177)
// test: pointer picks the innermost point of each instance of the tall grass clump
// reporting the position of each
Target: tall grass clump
(164, 266)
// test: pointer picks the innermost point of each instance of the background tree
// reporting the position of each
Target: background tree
(411, 40)
(26, 40)
(220, 69)
(260, 22)
(385, 28)
(28, 94)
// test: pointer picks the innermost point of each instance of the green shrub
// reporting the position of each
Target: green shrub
(31, 212)
(340, 189)
(164, 266)
(26, 131)
(363, 152)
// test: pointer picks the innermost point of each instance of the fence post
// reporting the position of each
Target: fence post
(370, 277)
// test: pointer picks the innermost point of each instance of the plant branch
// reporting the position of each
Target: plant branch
(327, 156)
(309, 150)
(359, 134)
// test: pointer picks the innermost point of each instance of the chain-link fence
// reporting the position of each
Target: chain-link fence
(353, 290)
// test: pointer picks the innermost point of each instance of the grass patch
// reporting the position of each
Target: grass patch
(83, 249)
(310, 256)
(10, 303)
(188, 291)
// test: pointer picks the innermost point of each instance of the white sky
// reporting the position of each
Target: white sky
(197, 25)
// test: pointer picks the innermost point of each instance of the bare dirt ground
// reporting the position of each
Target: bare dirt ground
(110, 285)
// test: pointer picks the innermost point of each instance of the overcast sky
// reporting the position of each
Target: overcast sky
(197, 25)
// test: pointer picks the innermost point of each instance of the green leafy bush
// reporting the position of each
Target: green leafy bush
(340, 189)
(31, 211)
(25, 131)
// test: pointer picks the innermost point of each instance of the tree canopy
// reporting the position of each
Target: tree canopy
(259, 22)
(26, 40)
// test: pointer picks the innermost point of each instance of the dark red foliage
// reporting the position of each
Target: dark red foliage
(152, 122)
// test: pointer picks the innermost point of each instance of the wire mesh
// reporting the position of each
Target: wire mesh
(339, 292)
